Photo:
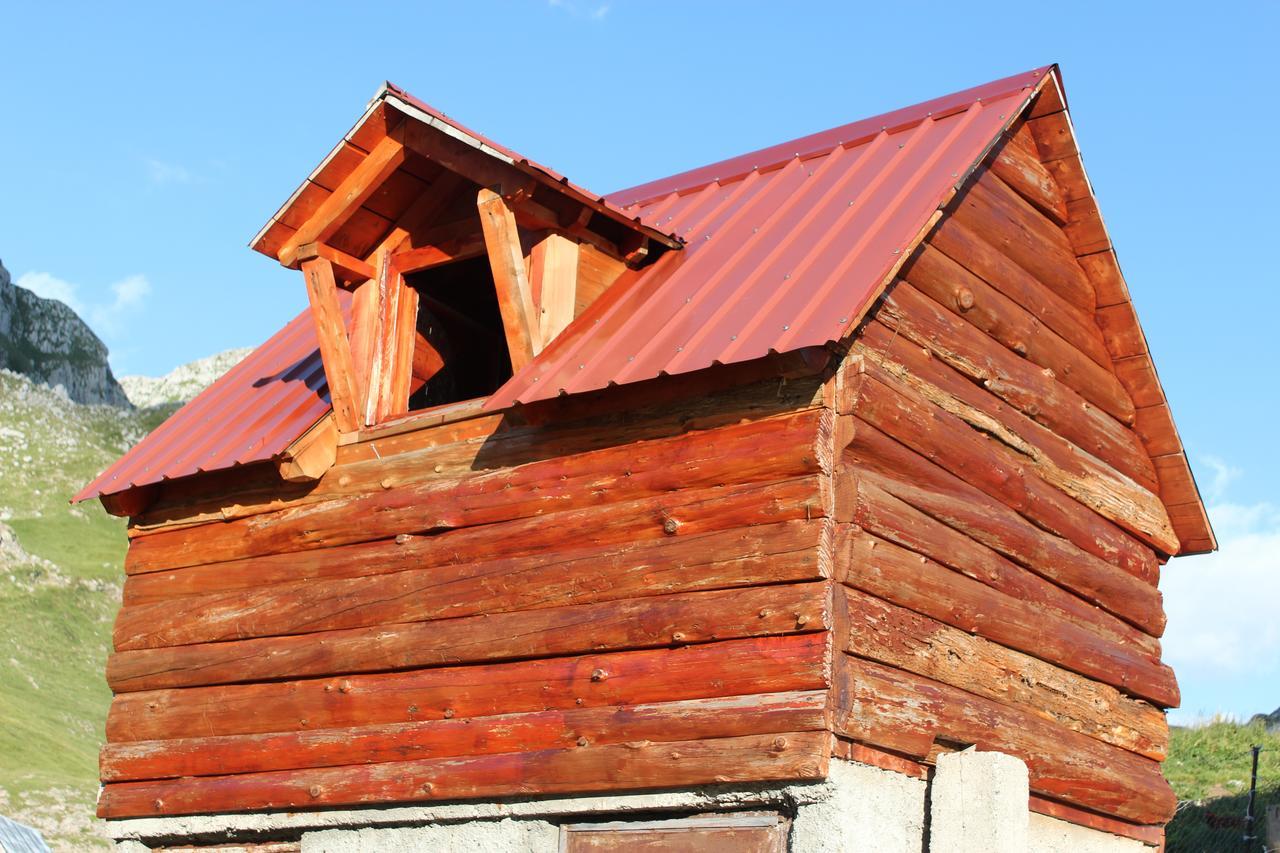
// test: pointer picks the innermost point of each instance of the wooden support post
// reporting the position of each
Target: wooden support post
(515, 297)
(391, 364)
(354, 190)
(554, 280)
(335, 349)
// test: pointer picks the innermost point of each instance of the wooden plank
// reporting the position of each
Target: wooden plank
(391, 364)
(1055, 460)
(1085, 228)
(900, 638)
(733, 668)
(427, 256)
(994, 211)
(612, 474)
(347, 270)
(968, 296)
(535, 541)
(515, 296)
(886, 704)
(993, 467)
(1121, 330)
(347, 197)
(335, 349)
(1103, 269)
(422, 214)
(853, 751)
(597, 272)
(884, 570)
(553, 273)
(612, 767)
(929, 487)
(688, 719)
(1054, 136)
(1152, 836)
(308, 458)
(773, 553)
(649, 622)
(984, 260)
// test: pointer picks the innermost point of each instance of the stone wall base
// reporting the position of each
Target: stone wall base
(974, 802)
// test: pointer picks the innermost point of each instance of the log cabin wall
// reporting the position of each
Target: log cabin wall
(632, 594)
(999, 573)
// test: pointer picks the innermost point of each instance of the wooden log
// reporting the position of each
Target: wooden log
(690, 719)
(651, 622)
(1037, 245)
(775, 553)
(932, 489)
(900, 638)
(943, 437)
(961, 292)
(890, 518)
(1055, 460)
(911, 580)
(1032, 390)
(1020, 168)
(604, 476)
(733, 668)
(853, 751)
(510, 279)
(613, 767)
(960, 243)
(534, 540)
(335, 348)
(1152, 836)
(886, 702)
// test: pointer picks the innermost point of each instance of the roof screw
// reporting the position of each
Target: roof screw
(900, 145)
(679, 349)
(786, 276)
(581, 366)
(844, 319)
(631, 358)
(786, 328)
(688, 299)
(733, 337)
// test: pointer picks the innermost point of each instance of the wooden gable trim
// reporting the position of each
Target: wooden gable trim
(510, 279)
(1051, 128)
(354, 191)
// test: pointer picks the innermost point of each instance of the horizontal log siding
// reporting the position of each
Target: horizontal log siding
(480, 611)
(1000, 552)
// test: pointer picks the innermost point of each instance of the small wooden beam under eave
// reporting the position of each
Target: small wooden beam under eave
(553, 273)
(515, 296)
(311, 455)
(346, 268)
(354, 191)
(335, 349)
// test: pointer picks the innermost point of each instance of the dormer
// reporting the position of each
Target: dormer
(438, 263)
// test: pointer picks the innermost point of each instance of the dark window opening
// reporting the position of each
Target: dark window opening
(458, 317)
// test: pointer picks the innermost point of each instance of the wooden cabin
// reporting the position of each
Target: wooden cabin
(846, 452)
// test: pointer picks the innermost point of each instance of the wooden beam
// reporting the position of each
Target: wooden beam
(425, 257)
(554, 280)
(347, 269)
(314, 453)
(335, 349)
(515, 297)
(354, 190)
(391, 366)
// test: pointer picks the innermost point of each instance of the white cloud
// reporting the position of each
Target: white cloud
(593, 11)
(51, 287)
(162, 173)
(128, 296)
(1223, 476)
(1224, 610)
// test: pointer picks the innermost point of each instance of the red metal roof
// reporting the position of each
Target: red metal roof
(785, 248)
(252, 413)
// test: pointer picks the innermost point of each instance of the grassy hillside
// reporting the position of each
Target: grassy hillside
(1209, 769)
(60, 570)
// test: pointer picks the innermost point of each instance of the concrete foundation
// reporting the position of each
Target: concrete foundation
(976, 801)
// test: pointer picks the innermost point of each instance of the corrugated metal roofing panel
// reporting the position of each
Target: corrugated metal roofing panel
(251, 414)
(783, 254)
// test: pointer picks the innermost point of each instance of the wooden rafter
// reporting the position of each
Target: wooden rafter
(421, 215)
(354, 190)
(335, 349)
(553, 273)
(346, 268)
(510, 279)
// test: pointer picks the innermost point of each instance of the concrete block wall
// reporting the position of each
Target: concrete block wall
(975, 801)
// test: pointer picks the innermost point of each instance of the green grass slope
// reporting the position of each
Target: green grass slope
(60, 571)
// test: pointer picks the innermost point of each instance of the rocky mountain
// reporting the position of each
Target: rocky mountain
(47, 342)
(182, 383)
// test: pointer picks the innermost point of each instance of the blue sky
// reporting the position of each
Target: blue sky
(143, 146)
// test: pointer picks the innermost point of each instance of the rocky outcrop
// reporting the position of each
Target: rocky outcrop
(182, 383)
(1271, 721)
(49, 343)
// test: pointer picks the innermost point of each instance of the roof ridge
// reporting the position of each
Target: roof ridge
(764, 159)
